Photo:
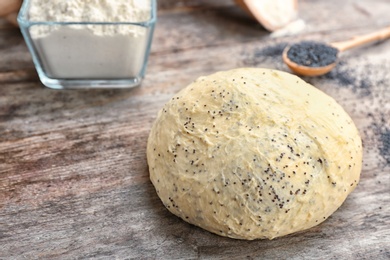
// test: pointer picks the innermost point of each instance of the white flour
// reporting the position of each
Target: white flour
(90, 10)
(90, 51)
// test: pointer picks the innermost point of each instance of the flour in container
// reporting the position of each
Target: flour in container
(91, 50)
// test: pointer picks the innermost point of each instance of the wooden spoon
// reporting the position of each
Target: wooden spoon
(341, 46)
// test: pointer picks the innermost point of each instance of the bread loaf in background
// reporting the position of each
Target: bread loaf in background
(9, 10)
(272, 14)
(253, 153)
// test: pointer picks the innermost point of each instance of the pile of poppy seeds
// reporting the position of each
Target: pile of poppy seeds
(312, 54)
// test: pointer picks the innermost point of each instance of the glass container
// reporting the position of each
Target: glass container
(70, 55)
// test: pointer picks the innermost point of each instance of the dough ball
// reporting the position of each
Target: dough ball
(253, 153)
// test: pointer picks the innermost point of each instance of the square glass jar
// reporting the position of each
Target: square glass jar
(71, 55)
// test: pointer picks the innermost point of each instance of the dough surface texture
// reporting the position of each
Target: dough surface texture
(253, 153)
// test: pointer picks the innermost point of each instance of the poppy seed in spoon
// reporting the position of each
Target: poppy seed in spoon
(312, 54)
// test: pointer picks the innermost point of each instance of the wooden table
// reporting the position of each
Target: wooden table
(73, 173)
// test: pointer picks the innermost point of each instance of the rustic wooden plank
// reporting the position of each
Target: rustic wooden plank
(79, 185)
(185, 5)
(73, 175)
(229, 25)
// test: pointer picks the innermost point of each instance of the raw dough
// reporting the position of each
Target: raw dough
(253, 153)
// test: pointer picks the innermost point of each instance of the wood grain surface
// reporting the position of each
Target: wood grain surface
(73, 174)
